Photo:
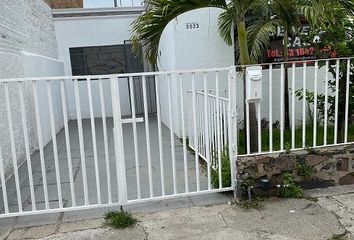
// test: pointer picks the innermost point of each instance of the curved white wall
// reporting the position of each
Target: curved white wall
(200, 48)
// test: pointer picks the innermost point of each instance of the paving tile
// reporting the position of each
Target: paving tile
(80, 225)
(39, 232)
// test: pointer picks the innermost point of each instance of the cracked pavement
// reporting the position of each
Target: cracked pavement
(288, 219)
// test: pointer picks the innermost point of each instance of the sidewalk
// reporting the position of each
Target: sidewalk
(286, 219)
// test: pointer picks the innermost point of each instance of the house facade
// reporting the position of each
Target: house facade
(36, 40)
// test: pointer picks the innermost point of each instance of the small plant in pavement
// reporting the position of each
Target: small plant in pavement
(119, 219)
(289, 189)
(338, 237)
(256, 204)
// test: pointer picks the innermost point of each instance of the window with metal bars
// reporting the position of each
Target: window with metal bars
(104, 60)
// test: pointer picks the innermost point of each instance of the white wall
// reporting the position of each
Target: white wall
(181, 48)
(25, 25)
(38, 66)
(92, 31)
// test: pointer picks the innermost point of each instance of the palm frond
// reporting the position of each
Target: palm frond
(259, 37)
(225, 24)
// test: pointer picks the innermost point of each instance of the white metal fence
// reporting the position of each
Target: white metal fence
(188, 147)
(320, 107)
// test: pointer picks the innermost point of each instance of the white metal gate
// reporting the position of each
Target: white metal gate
(69, 148)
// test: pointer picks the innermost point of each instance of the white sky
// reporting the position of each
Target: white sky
(110, 3)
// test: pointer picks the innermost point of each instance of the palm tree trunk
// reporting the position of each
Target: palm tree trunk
(245, 60)
(286, 84)
(242, 41)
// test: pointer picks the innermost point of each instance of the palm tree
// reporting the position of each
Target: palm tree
(148, 28)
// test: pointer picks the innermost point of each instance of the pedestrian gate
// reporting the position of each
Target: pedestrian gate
(69, 148)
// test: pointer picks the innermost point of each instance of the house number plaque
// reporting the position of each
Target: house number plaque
(191, 26)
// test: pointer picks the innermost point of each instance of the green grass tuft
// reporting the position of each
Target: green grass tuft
(119, 219)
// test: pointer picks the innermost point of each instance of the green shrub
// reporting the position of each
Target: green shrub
(304, 170)
(225, 170)
(289, 189)
(119, 219)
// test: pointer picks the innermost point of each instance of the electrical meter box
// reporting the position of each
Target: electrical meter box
(254, 84)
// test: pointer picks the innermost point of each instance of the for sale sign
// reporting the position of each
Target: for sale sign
(301, 46)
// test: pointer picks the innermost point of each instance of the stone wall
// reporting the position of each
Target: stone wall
(25, 26)
(318, 168)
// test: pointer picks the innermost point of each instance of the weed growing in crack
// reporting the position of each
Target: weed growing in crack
(338, 237)
(119, 219)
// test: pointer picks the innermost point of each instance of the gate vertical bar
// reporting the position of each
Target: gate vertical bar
(172, 135)
(105, 141)
(336, 103)
(40, 144)
(270, 107)
(304, 106)
(135, 135)
(54, 141)
(94, 142)
(347, 92)
(326, 106)
(206, 129)
(13, 148)
(259, 125)
(282, 101)
(159, 127)
(81, 142)
(184, 140)
(314, 138)
(118, 142)
(147, 134)
(195, 142)
(232, 122)
(27, 144)
(218, 126)
(3, 184)
(67, 142)
(293, 92)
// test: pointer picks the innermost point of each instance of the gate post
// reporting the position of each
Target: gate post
(118, 142)
(232, 133)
